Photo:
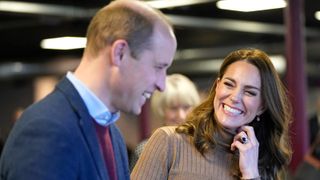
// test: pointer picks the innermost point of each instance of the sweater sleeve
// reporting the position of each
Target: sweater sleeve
(154, 162)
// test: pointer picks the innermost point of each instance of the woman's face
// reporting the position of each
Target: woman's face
(176, 113)
(238, 95)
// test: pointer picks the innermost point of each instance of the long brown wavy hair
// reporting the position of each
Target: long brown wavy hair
(272, 131)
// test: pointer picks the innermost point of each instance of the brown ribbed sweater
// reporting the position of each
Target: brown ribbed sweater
(170, 155)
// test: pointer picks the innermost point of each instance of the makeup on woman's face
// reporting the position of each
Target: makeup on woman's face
(238, 95)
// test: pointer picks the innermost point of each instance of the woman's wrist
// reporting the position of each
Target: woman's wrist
(250, 174)
(256, 178)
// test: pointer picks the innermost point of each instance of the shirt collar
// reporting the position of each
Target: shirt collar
(95, 106)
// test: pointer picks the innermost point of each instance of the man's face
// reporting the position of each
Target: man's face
(142, 76)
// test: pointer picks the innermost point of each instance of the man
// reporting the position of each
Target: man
(68, 134)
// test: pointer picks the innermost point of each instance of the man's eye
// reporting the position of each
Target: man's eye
(159, 67)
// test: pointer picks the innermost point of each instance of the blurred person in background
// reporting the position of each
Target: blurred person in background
(314, 122)
(71, 133)
(309, 168)
(171, 106)
(1, 146)
(240, 131)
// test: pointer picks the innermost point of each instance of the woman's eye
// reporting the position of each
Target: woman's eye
(227, 84)
(251, 93)
(186, 107)
(173, 108)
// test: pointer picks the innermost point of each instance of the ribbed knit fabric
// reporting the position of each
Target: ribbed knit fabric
(170, 155)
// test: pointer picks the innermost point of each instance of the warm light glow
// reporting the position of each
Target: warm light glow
(250, 5)
(174, 3)
(279, 62)
(64, 43)
(317, 15)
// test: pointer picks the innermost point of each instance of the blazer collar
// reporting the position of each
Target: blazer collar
(85, 124)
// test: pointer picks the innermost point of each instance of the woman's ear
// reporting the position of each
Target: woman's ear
(261, 110)
(118, 50)
(217, 81)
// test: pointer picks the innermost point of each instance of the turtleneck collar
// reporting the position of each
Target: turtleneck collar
(224, 138)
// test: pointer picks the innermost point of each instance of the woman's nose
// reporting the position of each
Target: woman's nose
(235, 96)
(182, 114)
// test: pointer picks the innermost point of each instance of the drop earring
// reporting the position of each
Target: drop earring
(258, 118)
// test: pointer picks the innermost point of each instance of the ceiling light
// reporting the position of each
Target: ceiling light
(317, 15)
(18, 7)
(250, 5)
(64, 43)
(174, 3)
(45, 9)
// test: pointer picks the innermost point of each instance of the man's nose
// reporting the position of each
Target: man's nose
(161, 82)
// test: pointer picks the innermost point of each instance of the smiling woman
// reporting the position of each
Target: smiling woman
(239, 131)
(238, 97)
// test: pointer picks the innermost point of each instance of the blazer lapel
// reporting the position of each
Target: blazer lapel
(85, 124)
(120, 153)
(89, 133)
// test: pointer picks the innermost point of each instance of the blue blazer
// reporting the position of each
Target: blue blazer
(55, 139)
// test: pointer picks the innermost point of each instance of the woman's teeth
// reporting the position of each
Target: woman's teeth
(231, 110)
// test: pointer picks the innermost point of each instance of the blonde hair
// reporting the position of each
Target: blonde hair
(178, 88)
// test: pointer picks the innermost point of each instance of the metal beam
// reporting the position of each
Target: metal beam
(64, 11)
(234, 25)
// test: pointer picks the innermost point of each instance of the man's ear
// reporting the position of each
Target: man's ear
(118, 50)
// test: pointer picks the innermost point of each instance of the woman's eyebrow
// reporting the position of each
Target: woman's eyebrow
(246, 86)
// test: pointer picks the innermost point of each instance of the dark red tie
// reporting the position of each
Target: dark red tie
(107, 150)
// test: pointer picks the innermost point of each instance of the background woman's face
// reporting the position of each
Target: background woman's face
(176, 113)
(238, 95)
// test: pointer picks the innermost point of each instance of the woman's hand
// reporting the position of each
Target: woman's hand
(247, 144)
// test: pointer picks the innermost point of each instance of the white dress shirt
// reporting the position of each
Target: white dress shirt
(97, 109)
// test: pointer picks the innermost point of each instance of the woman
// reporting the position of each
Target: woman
(171, 106)
(239, 132)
